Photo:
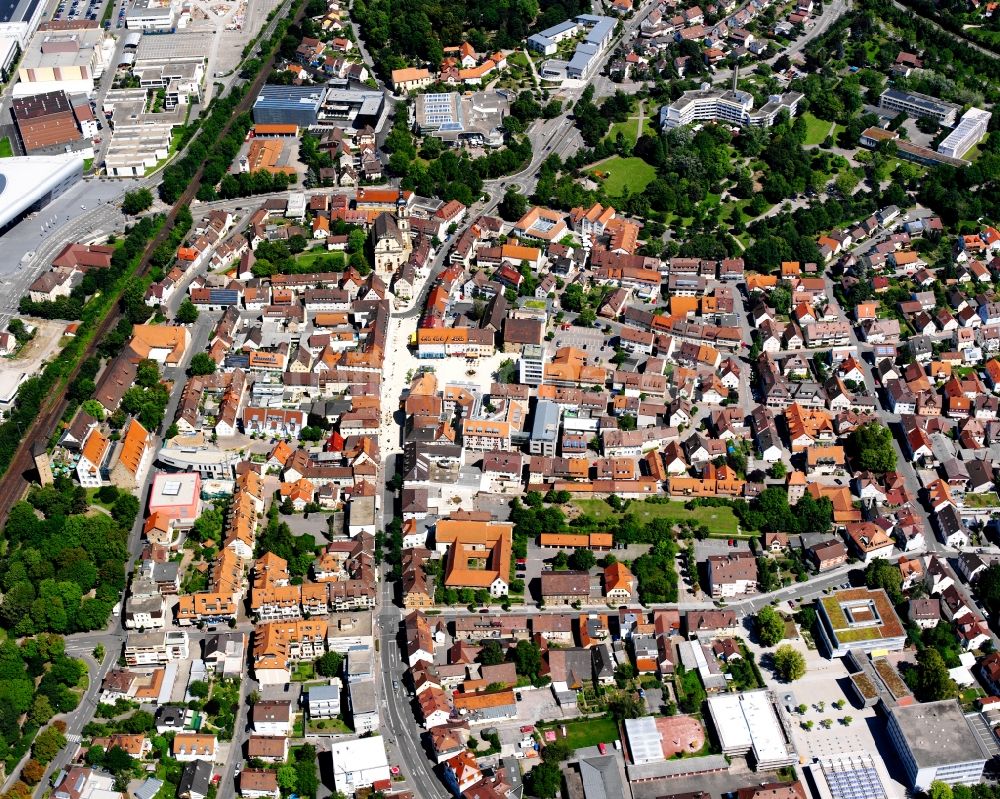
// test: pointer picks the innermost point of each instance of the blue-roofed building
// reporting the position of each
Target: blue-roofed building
(288, 105)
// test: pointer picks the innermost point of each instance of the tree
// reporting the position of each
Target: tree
(933, 682)
(187, 313)
(789, 663)
(881, 573)
(202, 364)
(544, 780)
(513, 205)
(125, 509)
(556, 751)
(199, 689)
(47, 744)
(329, 664)
(135, 202)
(778, 470)
(288, 779)
(94, 408)
(988, 587)
(582, 559)
(527, 659)
(940, 790)
(770, 626)
(32, 772)
(871, 446)
(492, 653)
(117, 760)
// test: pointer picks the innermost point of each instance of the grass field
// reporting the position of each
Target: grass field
(587, 732)
(816, 129)
(720, 521)
(628, 129)
(621, 172)
(6, 151)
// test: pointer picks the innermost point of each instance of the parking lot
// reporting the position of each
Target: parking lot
(80, 9)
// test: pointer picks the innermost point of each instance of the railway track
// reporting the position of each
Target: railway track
(15, 481)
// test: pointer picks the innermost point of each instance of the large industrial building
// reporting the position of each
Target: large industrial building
(288, 105)
(919, 105)
(474, 119)
(68, 60)
(31, 182)
(935, 742)
(51, 122)
(726, 105)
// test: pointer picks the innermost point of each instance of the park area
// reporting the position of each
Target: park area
(720, 521)
(617, 173)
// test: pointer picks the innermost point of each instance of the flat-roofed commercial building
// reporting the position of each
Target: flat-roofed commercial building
(151, 15)
(935, 742)
(71, 60)
(472, 118)
(919, 105)
(752, 723)
(967, 133)
(359, 107)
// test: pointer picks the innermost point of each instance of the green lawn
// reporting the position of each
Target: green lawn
(329, 727)
(6, 151)
(621, 172)
(628, 129)
(586, 732)
(816, 129)
(720, 521)
(987, 500)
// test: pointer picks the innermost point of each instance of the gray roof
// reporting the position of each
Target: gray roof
(322, 693)
(148, 789)
(937, 733)
(195, 778)
(602, 778)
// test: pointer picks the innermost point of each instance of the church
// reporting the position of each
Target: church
(391, 240)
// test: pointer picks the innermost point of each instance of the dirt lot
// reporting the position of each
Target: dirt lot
(40, 349)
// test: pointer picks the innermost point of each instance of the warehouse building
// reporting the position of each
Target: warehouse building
(288, 105)
(68, 60)
(51, 123)
(751, 723)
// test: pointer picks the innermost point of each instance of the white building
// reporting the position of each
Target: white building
(935, 742)
(358, 763)
(30, 182)
(323, 701)
(748, 722)
(71, 61)
(966, 135)
(726, 105)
